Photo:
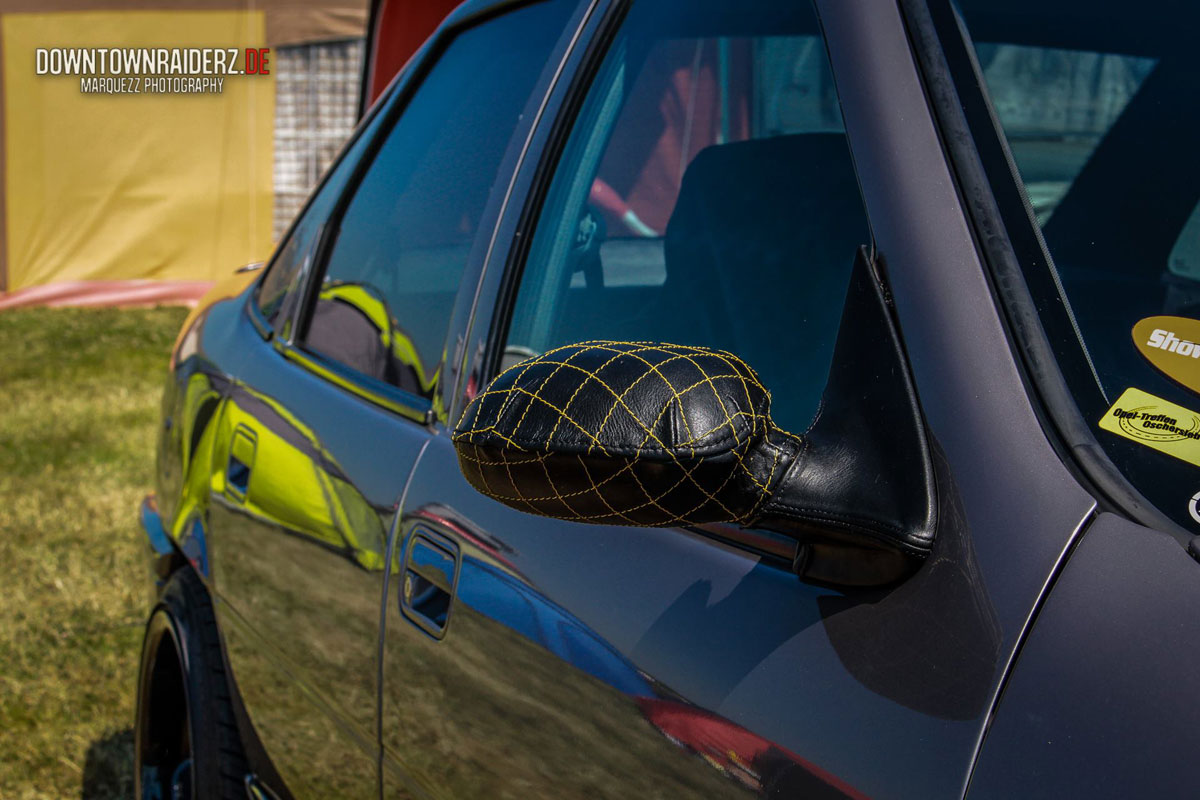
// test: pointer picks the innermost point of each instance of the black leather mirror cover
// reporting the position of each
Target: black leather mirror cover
(662, 435)
(626, 433)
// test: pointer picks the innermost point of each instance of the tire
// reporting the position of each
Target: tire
(186, 742)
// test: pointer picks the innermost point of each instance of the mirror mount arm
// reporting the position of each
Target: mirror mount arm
(860, 494)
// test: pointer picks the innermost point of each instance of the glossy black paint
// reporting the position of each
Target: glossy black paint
(572, 660)
(1103, 702)
(299, 564)
(704, 625)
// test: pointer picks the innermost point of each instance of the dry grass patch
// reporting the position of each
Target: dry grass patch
(79, 395)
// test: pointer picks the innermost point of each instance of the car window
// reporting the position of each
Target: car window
(705, 196)
(389, 284)
(1057, 105)
(281, 273)
(283, 284)
(1093, 102)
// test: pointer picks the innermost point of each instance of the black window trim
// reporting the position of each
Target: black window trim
(561, 125)
(550, 126)
(384, 395)
(257, 318)
(253, 307)
(936, 35)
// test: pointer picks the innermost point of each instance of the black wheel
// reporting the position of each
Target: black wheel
(186, 740)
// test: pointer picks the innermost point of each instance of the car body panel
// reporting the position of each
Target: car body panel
(301, 545)
(203, 405)
(579, 660)
(525, 715)
(204, 353)
(824, 691)
(1022, 506)
(298, 563)
(1101, 703)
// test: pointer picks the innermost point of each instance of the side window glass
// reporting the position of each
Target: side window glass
(386, 296)
(282, 286)
(705, 197)
(281, 276)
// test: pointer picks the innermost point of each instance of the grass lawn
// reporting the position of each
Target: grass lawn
(79, 394)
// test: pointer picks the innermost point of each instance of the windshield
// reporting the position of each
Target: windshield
(1098, 177)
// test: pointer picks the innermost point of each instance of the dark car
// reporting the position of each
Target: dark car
(709, 399)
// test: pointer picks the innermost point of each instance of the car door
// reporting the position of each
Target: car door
(697, 187)
(581, 660)
(339, 384)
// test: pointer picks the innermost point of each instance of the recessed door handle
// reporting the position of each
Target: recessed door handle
(431, 565)
(241, 460)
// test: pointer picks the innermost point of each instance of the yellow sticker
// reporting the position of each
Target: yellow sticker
(1172, 345)
(1143, 418)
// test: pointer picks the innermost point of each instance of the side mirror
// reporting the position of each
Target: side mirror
(622, 433)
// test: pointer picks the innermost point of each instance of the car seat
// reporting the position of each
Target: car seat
(758, 251)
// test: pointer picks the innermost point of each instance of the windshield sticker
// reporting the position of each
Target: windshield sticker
(1172, 345)
(1143, 418)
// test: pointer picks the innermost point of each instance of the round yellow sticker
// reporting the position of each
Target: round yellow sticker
(1172, 344)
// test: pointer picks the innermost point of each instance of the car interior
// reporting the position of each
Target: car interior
(1104, 148)
(757, 202)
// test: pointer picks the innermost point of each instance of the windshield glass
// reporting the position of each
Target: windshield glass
(1096, 106)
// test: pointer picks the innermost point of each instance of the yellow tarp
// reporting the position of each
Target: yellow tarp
(114, 187)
